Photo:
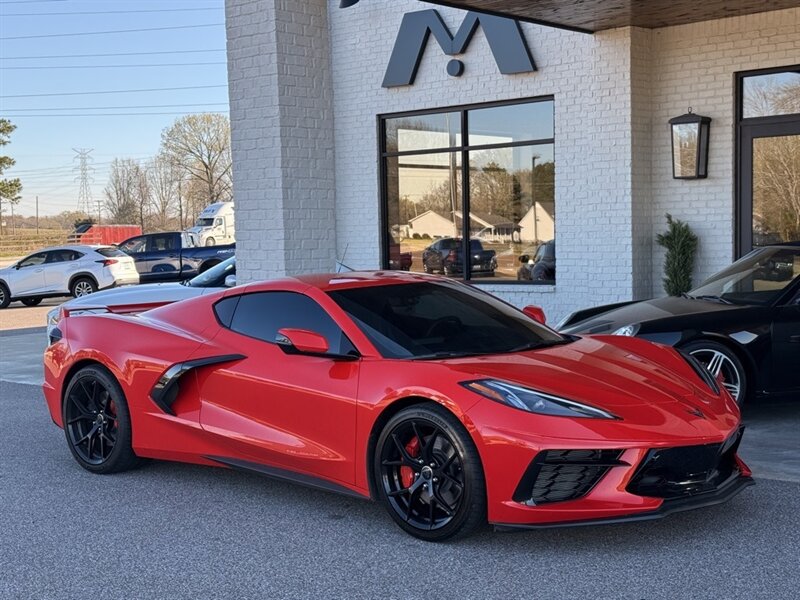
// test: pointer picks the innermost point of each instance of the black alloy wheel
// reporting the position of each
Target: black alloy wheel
(97, 422)
(31, 301)
(428, 474)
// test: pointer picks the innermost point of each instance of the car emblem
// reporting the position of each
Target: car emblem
(696, 412)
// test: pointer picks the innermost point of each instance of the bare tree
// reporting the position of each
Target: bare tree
(122, 191)
(164, 182)
(200, 145)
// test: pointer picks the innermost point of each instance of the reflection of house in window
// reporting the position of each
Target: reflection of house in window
(538, 224)
(491, 228)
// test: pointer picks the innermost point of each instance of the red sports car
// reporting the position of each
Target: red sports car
(440, 401)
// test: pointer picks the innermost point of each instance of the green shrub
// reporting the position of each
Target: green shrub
(681, 245)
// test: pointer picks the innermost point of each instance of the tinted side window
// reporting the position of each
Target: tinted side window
(109, 252)
(34, 260)
(224, 310)
(160, 243)
(134, 246)
(262, 314)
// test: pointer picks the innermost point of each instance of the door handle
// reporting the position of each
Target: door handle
(794, 339)
(39, 270)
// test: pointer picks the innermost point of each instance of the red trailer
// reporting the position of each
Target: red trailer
(91, 234)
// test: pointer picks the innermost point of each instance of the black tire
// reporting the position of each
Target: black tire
(31, 301)
(725, 362)
(425, 267)
(439, 493)
(82, 286)
(97, 422)
(211, 242)
(5, 295)
(447, 271)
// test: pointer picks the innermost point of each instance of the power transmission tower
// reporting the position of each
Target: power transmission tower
(84, 172)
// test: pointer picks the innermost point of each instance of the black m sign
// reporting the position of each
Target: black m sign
(505, 38)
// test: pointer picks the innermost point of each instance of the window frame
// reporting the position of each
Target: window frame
(465, 170)
(742, 180)
(238, 297)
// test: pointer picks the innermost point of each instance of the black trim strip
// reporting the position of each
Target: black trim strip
(165, 390)
(286, 475)
(668, 507)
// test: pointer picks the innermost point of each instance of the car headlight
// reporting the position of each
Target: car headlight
(628, 330)
(532, 401)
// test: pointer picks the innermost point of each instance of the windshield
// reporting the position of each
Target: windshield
(440, 320)
(215, 276)
(758, 278)
(205, 222)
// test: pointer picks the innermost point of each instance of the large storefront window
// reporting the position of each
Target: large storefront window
(769, 151)
(470, 192)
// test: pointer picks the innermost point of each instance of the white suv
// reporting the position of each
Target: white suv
(65, 271)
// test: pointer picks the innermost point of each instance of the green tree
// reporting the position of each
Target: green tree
(9, 188)
(681, 245)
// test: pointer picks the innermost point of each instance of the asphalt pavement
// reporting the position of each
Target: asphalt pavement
(170, 530)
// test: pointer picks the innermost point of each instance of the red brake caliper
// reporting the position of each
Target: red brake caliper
(407, 473)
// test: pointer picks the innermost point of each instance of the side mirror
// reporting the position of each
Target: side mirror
(230, 281)
(536, 313)
(301, 341)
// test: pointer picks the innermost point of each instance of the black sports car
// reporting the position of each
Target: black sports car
(743, 323)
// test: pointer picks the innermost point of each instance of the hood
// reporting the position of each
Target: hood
(649, 310)
(139, 294)
(647, 386)
(195, 229)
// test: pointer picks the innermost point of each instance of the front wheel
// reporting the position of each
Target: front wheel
(97, 422)
(723, 364)
(83, 287)
(428, 474)
(5, 296)
(211, 242)
(31, 301)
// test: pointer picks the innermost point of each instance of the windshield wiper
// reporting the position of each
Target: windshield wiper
(440, 355)
(709, 298)
(539, 345)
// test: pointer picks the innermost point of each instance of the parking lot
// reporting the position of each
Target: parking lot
(172, 530)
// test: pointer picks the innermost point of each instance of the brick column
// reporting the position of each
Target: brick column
(282, 136)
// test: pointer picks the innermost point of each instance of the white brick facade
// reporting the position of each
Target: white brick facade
(306, 89)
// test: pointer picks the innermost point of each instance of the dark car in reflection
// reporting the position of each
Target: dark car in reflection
(446, 256)
(743, 323)
(542, 267)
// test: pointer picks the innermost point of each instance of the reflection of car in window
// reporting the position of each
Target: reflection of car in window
(446, 256)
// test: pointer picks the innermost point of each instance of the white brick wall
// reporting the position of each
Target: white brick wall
(589, 77)
(694, 65)
(282, 128)
(304, 82)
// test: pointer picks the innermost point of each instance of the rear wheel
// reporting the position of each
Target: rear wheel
(31, 301)
(97, 422)
(723, 364)
(428, 474)
(83, 287)
(5, 296)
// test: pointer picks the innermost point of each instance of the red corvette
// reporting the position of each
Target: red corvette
(440, 401)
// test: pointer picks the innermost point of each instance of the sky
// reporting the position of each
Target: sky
(50, 94)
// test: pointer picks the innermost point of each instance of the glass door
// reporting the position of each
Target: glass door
(769, 158)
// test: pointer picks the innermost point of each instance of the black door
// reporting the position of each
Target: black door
(768, 157)
(786, 347)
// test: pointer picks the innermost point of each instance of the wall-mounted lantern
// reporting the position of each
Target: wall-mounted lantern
(690, 146)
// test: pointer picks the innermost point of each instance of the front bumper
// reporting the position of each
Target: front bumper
(721, 495)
